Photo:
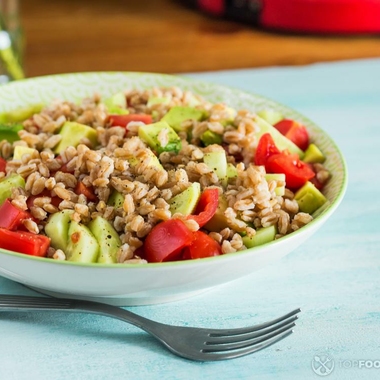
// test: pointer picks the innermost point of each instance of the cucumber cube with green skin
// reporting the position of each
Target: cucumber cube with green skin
(20, 150)
(57, 229)
(210, 137)
(178, 114)
(280, 178)
(271, 116)
(108, 240)
(117, 104)
(20, 114)
(313, 155)
(217, 162)
(82, 246)
(116, 199)
(153, 160)
(9, 132)
(263, 235)
(309, 198)
(279, 139)
(9, 183)
(184, 203)
(149, 133)
(73, 133)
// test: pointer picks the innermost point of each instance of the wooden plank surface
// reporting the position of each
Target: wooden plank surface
(163, 36)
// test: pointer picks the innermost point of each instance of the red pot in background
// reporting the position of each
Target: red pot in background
(311, 16)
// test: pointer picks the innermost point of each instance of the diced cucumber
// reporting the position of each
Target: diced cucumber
(9, 132)
(20, 114)
(210, 137)
(82, 245)
(150, 134)
(309, 198)
(20, 150)
(178, 114)
(280, 178)
(57, 229)
(116, 199)
(217, 162)
(153, 160)
(72, 133)
(263, 235)
(185, 202)
(231, 171)
(313, 154)
(117, 104)
(270, 115)
(108, 240)
(7, 184)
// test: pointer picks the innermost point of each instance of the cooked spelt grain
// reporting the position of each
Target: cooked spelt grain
(300, 220)
(124, 253)
(31, 226)
(283, 222)
(291, 206)
(20, 201)
(59, 255)
(38, 213)
(227, 247)
(26, 170)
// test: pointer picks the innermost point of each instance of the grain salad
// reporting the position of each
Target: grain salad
(114, 169)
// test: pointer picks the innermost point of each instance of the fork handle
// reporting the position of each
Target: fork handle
(24, 303)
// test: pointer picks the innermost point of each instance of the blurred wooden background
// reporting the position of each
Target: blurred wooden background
(163, 36)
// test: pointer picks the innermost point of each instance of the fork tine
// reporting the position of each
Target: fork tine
(254, 333)
(250, 329)
(222, 346)
(223, 355)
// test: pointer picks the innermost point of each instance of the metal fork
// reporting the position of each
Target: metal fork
(193, 343)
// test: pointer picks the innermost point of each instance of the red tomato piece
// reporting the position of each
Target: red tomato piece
(24, 242)
(206, 206)
(166, 241)
(294, 131)
(11, 217)
(123, 120)
(297, 173)
(284, 125)
(3, 165)
(55, 201)
(202, 246)
(265, 148)
(81, 188)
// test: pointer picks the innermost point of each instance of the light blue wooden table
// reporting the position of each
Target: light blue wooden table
(334, 277)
